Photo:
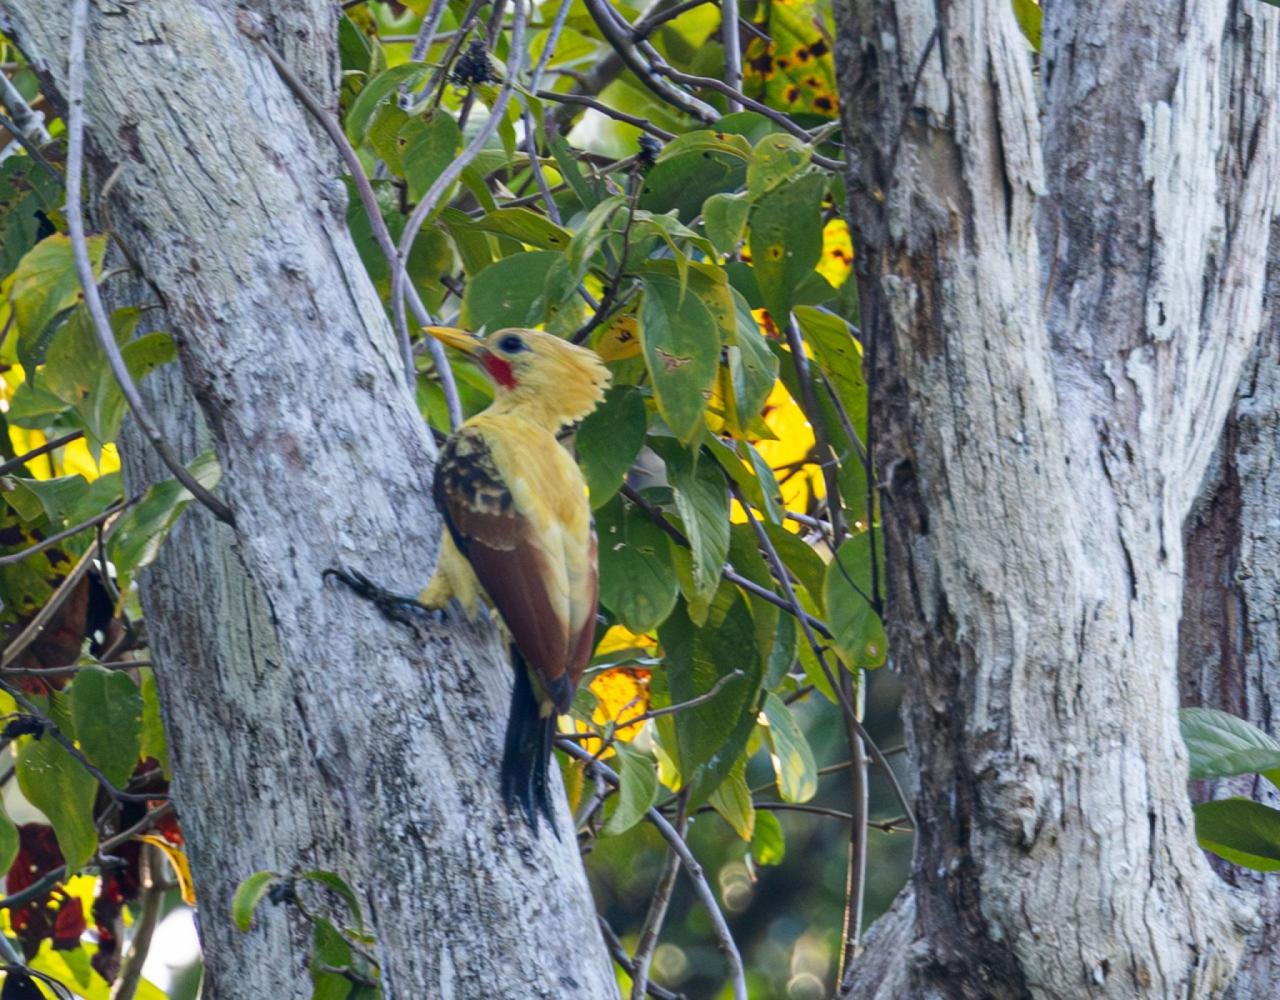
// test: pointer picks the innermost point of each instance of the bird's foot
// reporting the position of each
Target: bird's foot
(399, 608)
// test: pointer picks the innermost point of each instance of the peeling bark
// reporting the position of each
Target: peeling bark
(1230, 634)
(1061, 277)
(306, 731)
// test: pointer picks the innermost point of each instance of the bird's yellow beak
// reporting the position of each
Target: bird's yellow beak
(451, 336)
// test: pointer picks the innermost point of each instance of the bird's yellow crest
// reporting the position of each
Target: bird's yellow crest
(548, 380)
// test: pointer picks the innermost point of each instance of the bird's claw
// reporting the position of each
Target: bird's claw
(398, 608)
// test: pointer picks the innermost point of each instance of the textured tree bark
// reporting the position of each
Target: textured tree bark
(1230, 635)
(306, 731)
(1062, 279)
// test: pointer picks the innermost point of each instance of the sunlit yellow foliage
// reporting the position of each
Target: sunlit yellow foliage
(837, 253)
(72, 459)
(622, 693)
(799, 481)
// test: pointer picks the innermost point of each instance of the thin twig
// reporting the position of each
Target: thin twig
(454, 170)
(701, 699)
(84, 268)
(732, 52)
(52, 878)
(126, 985)
(42, 617)
(651, 929)
(730, 574)
(624, 962)
(618, 34)
(422, 44)
(701, 887)
(29, 122)
(377, 226)
(73, 668)
(590, 102)
(720, 87)
(44, 543)
(44, 449)
(780, 571)
(646, 26)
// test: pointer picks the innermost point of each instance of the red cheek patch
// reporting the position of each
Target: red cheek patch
(500, 370)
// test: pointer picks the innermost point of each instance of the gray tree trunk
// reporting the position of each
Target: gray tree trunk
(306, 731)
(1062, 278)
(1230, 636)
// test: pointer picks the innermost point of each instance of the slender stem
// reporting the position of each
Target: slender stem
(549, 47)
(44, 543)
(126, 985)
(73, 668)
(730, 574)
(377, 226)
(700, 885)
(84, 268)
(732, 51)
(590, 102)
(646, 26)
(701, 699)
(422, 44)
(29, 122)
(624, 962)
(618, 34)
(454, 170)
(780, 571)
(42, 618)
(651, 929)
(17, 463)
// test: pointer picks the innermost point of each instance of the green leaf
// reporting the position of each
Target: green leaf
(768, 846)
(681, 343)
(724, 216)
(525, 226)
(248, 895)
(140, 531)
(377, 90)
(800, 558)
(711, 735)
(8, 840)
(329, 950)
(45, 285)
(1030, 19)
(776, 159)
(637, 790)
(384, 135)
(154, 742)
(25, 189)
(786, 241)
(839, 356)
(732, 800)
(427, 147)
(1242, 831)
(337, 884)
(58, 785)
(793, 762)
(637, 580)
(703, 503)
(609, 440)
(690, 169)
(106, 707)
(857, 629)
(706, 141)
(753, 370)
(509, 292)
(1221, 745)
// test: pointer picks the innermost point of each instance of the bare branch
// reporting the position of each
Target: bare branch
(732, 51)
(624, 961)
(377, 226)
(618, 34)
(29, 122)
(17, 463)
(701, 887)
(126, 984)
(658, 905)
(84, 268)
(45, 543)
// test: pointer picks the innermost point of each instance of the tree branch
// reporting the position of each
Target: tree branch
(84, 268)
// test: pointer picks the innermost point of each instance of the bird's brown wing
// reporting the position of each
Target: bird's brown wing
(500, 543)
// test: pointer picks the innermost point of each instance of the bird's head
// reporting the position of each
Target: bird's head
(536, 374)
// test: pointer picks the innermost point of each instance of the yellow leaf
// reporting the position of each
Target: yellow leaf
(837, 253)
(620, 340)
(178, 859)
(622, 693)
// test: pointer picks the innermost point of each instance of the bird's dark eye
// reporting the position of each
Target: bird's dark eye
(511, 344)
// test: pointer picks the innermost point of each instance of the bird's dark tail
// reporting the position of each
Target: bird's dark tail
(526, 756)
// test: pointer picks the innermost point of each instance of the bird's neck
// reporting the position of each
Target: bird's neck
(547, 411)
